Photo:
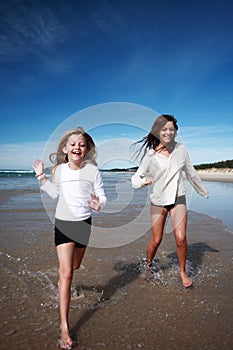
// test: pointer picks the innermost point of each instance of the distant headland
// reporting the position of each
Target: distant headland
(223, 166)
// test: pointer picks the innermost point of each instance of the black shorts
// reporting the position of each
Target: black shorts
(72, 231)
(179, 200)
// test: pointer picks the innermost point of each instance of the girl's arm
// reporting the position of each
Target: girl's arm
(98, 199)
(51, 188)
(95, 203)
(38, 167)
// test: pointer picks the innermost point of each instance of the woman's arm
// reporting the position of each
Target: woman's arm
(194, 178)
(139, 179)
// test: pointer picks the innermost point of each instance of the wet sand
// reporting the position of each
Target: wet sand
(112, 307)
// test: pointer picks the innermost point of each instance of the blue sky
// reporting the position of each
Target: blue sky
(58, 58)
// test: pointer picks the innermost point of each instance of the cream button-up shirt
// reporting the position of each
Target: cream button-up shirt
(167, 176)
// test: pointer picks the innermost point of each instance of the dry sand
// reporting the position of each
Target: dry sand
(219, 175)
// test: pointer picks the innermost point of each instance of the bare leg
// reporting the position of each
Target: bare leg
(78, 257)
(158, 218)
(65, 253)
(179, 221)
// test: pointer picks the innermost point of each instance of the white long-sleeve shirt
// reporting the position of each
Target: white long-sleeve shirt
(73, 189)
(166, 173)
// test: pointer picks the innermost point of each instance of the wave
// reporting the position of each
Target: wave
(24, 173)
(15, 172)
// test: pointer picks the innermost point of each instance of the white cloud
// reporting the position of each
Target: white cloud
(111, 154)
(29, 30)
(210, 154)
(20, 155)
(207, 144)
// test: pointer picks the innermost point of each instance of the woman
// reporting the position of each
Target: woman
(78, 185)
(162, 165)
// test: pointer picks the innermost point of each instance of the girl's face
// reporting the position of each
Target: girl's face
(76, 149)
(167, 133)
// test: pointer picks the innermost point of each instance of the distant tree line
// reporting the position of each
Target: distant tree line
(222, 164)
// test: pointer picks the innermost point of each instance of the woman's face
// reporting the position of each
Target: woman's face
(167, 133)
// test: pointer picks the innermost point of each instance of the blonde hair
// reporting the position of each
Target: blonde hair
(60, 157)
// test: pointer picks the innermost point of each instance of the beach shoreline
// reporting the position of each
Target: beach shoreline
(218, 175)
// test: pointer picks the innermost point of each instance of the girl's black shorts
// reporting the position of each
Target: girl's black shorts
(72, 231)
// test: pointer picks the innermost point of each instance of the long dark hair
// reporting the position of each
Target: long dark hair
(151, 140)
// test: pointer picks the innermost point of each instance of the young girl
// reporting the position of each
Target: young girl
(162, 164)
(78, 185)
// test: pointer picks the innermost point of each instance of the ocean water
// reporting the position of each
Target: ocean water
(120, 194)
(219, 204)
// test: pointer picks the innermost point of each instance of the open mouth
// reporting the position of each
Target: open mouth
(77, 152)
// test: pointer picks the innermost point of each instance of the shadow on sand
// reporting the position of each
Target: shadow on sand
(196, 252)
(130, 272)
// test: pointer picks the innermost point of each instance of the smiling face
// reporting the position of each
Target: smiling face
(76, 149)
(167, 133)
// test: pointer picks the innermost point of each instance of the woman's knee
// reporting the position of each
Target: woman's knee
(181, 240)
(155, 242)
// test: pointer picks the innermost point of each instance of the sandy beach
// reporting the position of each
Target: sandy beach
(112, 307)
(213, 174)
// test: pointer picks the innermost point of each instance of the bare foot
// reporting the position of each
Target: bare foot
(147, 274)
(185, 280)
(65, 342)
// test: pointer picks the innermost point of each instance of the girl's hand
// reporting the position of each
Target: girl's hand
(38, 166)
(94, 202)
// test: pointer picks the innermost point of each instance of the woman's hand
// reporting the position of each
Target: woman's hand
(94, 202)
(38, 167)
(148, 181)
